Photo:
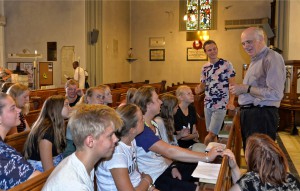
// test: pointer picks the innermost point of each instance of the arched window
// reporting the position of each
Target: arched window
(197, 15)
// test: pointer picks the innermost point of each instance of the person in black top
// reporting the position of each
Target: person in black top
(47, 138)
(186, 116)
(73, 93)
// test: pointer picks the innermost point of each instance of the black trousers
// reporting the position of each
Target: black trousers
(165, 182)
(259, 120)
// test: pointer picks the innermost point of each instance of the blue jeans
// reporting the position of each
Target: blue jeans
(38, 164)
(214, 119)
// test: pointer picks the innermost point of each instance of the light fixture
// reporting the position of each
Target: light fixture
(203, 35)
(185, 17)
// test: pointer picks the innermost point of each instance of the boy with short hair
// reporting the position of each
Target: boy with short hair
(92, 128)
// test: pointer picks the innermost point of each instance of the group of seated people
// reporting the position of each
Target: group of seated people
(144, 144)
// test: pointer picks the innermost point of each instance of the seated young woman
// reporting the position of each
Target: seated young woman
(129, 95)
(14, 169)
(20, 93)
(152, 151)
(107, 99)
(165, 120)
(186, 116)
(267, 167)
(93, 95)
(46, 140)
(121, 171)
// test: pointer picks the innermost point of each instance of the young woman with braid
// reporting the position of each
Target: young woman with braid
(165, 120)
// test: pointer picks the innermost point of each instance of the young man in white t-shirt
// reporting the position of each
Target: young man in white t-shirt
(93, 130)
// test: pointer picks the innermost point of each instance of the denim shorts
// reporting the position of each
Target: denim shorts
(214, 119)
(38, 164)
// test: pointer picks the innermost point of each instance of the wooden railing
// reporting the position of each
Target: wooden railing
(234, 143)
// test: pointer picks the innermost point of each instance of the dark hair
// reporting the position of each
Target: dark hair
(207, 43)
(128, 114)
(266, 158)
(143, 96)
(51, 118)
(169, 102)
(5, 86)
(129, 95)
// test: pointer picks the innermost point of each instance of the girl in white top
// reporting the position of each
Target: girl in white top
(165, 120)
(121, 172)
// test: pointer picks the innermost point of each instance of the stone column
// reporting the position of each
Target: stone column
(2, 42)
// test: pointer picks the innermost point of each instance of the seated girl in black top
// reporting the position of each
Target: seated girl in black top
(46, 140)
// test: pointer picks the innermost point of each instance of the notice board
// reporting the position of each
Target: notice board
(46, 73)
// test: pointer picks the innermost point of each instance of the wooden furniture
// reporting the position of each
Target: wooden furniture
(17, 140)
(290, 103)
(234, 143)
(34, 184)
(32, 116)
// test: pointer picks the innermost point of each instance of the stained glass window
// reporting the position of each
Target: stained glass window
(199, 15)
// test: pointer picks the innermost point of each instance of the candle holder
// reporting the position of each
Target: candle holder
(34, 85)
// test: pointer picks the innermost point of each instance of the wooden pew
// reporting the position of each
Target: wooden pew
(17, 140)
(200, 125)
(34, 184)
(234, 143)
(116, 94)
(32, 116)
(42, 95)
(159, 87)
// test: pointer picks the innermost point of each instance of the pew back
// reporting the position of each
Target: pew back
(32, 116)
(34, 184)
(17, 140)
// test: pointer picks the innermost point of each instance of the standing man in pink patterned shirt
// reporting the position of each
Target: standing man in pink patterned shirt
(216, 76)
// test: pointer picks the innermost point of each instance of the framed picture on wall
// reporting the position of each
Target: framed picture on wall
(195, 55)
(157, 55)
(157, 42)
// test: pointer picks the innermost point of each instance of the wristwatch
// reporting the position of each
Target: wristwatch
(249, 87)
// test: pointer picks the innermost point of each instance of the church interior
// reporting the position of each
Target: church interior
(146, 42)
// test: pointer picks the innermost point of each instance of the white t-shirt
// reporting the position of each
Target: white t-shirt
(163, 132)
(79, 76)
(124, 157)
(70, 175)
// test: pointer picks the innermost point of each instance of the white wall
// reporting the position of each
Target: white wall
(293, 42)
(115, 38)
(31, 24)
(160, 19)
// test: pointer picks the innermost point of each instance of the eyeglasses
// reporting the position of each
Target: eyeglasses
(247, 42)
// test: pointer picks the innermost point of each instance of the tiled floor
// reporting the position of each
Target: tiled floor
(292, 145)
